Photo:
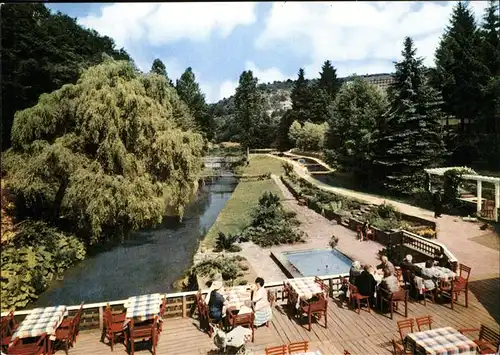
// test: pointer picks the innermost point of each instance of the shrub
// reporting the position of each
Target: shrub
(288, 168)
(227, 267)
(271, 224)
(427, 233)
(226, 242)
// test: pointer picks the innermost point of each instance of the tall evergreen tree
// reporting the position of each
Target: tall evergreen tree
(159, 68)
(189, 91)
(301, 97)
(249, 110)
(324, 92)
(489, 120)
(458, 67)
(411, 139)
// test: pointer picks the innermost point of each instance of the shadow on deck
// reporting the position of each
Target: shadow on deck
(366, 333)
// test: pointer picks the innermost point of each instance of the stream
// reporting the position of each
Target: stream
(149, 261)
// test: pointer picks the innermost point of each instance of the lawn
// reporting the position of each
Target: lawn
(237, 213)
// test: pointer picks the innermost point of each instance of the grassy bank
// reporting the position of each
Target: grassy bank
(236, 214)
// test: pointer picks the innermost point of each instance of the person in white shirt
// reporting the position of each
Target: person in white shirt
(261, 306)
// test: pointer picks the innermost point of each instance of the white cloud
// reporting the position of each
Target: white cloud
(356, 32)
(168, 22)
(227, 89)
(265, 75)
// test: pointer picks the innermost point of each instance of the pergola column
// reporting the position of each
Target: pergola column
(497, 200)
(479, 195)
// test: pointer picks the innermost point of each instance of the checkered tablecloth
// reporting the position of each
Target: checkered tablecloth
(440, 272)
(305, 287)
(442, 341)
(40, 321)
(236, 297)
(142, 308)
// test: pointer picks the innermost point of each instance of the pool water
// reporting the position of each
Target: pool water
(319, 262)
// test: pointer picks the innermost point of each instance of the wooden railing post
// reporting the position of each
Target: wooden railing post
(184, 306)
(101, 318)
(330, 285)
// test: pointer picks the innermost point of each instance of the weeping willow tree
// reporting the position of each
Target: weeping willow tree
(105, 156)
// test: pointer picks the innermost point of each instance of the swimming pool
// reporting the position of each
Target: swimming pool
(318, 262)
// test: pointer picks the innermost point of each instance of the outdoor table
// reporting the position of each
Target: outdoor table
(441, 273)
(305, 287)
(441, 341)
(143, 308)
(236, 297)
(40, 321)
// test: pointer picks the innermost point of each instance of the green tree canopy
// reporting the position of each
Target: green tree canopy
(106, 155)
(301, 97)
(324, 92)
(189, 91)
(354, 120)
(159, 68)
(41, 52)
(411, 139)
(249, 111)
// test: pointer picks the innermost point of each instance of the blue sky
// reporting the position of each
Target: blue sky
(274, 39)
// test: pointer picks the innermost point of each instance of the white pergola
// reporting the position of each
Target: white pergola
(479, 181)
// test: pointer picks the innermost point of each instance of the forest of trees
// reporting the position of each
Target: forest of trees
(93, 148)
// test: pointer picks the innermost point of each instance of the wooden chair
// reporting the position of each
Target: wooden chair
(404, 325)
(285, 291)
(9, 326)
(421, 321)
(399, 350)
(354, 295)
(113, 329)
(66, 336)
(276, 350)
(452, 289)
(37, 348)
(244, 320)
(206, 320)
(488, 341)
(323, 285)
(464, 274)
(300, 346)
(488, 209)
(66, 323)
(319, 308)
(399, 275)
(393, 299)
(144, 332)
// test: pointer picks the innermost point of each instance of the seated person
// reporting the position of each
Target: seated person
(439, 260)
(429, 275)
(366, 284)
(386, 264)
(408, 264)
(261, 306)
(354, 271)
(215, 301)
(390, 282)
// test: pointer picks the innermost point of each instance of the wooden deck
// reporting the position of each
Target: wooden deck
(366, 333)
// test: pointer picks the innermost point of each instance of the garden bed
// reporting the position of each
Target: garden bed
(352, 213)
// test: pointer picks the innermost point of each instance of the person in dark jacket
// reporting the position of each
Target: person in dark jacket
(366, 284)
(216, 301)
(438, 203)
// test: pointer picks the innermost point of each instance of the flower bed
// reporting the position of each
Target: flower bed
(384, 219)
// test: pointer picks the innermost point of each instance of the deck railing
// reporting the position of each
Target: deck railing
(181, 304)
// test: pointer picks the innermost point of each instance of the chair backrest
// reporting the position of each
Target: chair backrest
(276, 350)
(398, 349)
(400, 295)
(270, 297)
(163, 307)
(421, 321)
(489, 335)
(406, 324)
(353, 289)
(399, 273)
(243, 319)
(298, 346)
(322, 284)
(108, 317)
(465, 272)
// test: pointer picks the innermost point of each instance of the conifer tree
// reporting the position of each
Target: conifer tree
(301, 98)
(411, 139)
(189, 91)
(159, 68)
(249, 110)
(324, 92)
(459, 68)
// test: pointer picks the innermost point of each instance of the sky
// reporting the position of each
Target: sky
(273, 39)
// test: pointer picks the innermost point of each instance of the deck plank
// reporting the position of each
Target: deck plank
(366, 333)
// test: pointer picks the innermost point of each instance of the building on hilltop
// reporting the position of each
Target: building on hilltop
(383, 80)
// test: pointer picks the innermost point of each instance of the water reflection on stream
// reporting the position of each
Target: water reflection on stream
(148, 261)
